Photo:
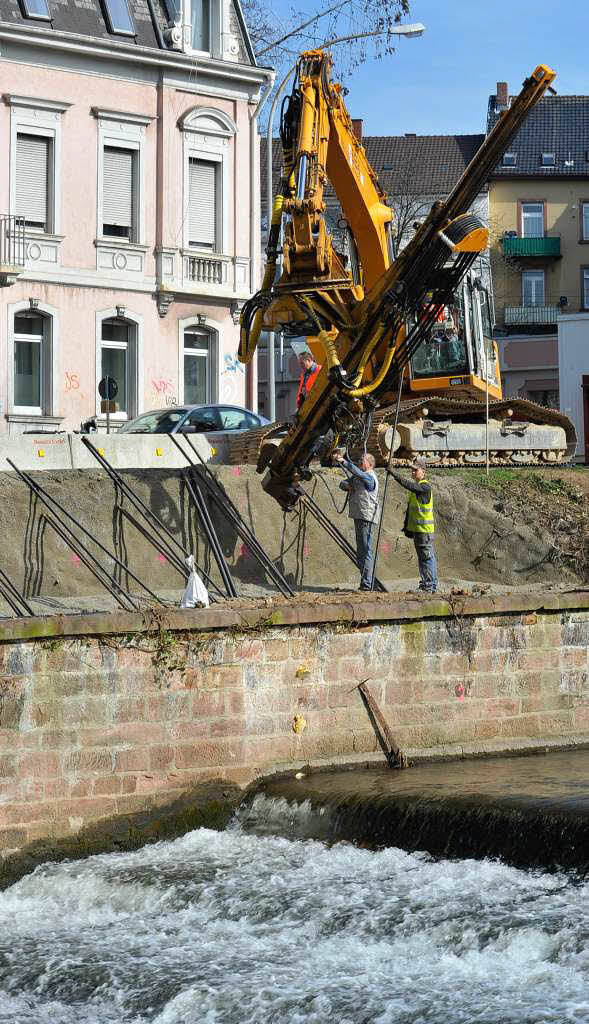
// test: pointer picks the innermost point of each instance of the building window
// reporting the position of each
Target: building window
(533, 288)
(532, 225)
(509, 159)
(548, 159)
(36, 9)
(118, 17)
(119, 193)
(32, 363)
(35, 160)
(118, 359)
(34, 181)
(203, 206)
(200, 21)
(197, 366)
(120, 218)
(585, 287)
(208, 135)
(584, 221)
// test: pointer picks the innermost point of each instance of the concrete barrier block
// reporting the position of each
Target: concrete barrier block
(36, 452)
(137, 451)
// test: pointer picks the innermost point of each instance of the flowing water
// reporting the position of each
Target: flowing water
(253, 928)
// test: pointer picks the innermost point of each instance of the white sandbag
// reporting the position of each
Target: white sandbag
(196, 594)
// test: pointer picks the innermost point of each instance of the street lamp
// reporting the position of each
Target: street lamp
(410, 32)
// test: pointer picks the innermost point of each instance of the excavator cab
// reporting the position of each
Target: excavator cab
(460, 356)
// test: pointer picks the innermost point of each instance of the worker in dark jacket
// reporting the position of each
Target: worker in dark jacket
(309, 373)
(362, 487)
(419, 523)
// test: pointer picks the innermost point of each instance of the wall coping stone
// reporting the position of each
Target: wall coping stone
(261, 613)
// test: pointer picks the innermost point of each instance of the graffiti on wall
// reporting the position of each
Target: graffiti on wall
(230, 385)
(163, 391)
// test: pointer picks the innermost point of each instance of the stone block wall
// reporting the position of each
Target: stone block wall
(124, 719)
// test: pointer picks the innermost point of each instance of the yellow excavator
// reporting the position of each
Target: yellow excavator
(413, 325)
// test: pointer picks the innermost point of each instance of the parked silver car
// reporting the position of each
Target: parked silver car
(194, 419)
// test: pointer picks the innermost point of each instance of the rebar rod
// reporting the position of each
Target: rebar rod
(141, 507)
(94, 540)
(225, 504)
(12, 596)
(211, 533)
(78, 547)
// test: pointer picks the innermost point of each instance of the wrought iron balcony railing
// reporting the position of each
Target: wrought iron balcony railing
(12, 248)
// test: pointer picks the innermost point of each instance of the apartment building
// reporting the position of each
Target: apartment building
(129, 194)
(539, 219)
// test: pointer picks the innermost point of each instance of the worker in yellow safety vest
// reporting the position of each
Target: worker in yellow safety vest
(419, 523)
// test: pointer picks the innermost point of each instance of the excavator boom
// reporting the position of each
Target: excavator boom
(370, 319)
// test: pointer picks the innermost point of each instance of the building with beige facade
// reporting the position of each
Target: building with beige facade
(130, 194)
(539, 220)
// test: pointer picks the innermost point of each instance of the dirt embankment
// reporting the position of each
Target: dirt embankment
(521, 527)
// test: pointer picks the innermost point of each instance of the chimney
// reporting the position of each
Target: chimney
(502, 101)
(358, 127)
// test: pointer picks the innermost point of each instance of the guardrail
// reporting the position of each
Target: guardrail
(515, 315)
(543, 247)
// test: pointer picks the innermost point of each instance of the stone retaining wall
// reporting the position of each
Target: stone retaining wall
(106, 717)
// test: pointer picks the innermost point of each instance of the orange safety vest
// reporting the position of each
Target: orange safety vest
(305, 386)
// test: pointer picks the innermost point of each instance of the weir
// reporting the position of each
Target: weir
(532, 812)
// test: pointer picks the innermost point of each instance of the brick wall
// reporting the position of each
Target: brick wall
(124, 720)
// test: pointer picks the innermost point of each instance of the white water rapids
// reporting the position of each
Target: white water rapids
(257, 929)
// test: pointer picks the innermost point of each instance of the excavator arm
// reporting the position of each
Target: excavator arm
(369, 327)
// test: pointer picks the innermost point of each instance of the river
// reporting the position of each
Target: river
(242, 927)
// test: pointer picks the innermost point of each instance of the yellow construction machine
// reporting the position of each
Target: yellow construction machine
(379, 321)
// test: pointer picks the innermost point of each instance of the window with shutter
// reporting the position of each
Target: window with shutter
(118, 192)
(32, 180)
(202, 204)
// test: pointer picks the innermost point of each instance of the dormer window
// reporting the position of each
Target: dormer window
(548, 160)
(509, 159)
(36, 9)
(201, 25)
(118, 17)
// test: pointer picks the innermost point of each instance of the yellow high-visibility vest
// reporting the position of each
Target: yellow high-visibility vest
(420, 517)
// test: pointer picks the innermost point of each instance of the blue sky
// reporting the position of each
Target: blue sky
(440, 83)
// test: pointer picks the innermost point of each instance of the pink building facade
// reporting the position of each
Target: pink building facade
(131, 146)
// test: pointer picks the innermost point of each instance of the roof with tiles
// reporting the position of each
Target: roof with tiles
(557, 125)
(414, 164)
(87, 18)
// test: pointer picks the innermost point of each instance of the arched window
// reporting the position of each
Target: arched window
(198, 364)
(119, 355)
(32, 355)
(29, 333)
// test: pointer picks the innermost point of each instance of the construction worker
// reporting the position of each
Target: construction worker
(309, 373)
(362, 487)
(419, 522)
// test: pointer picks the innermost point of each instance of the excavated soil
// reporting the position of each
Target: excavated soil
(521, 528)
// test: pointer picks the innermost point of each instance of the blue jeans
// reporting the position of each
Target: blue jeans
(364, 551)
(426, 557)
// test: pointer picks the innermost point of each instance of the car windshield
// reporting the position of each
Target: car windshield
(162, 421)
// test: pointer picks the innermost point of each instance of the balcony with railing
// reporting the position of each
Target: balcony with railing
(534, 315)
(12, 248)
(539, 248)
(210, 270)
